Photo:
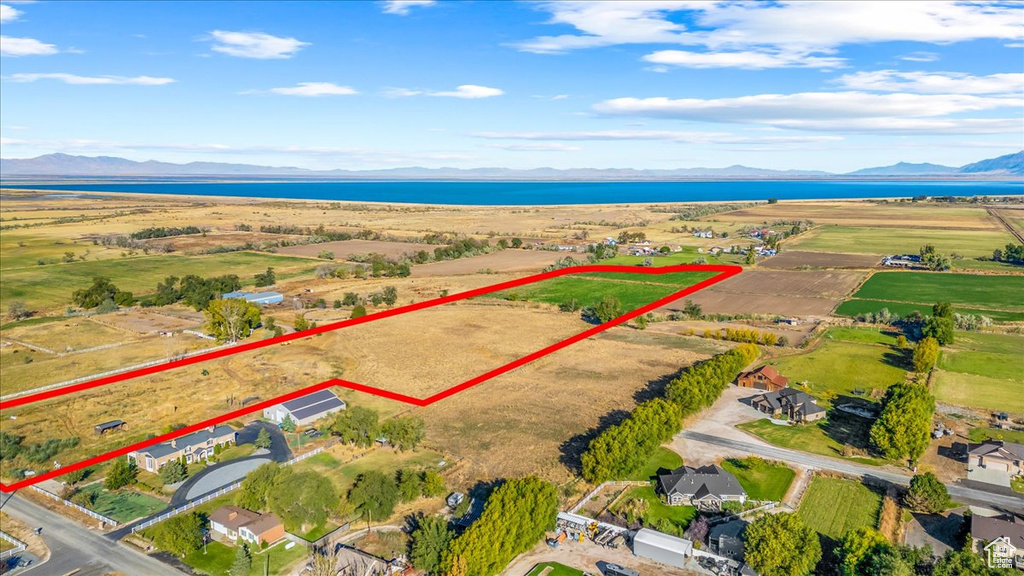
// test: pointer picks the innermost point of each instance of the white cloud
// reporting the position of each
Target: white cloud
(853, 111)
(743, 59)
(8, 13)
(799, 30)
(536, 147)
(92, 80)
(466, 91)
(255, 45)
(470, 92)
(402, 7)
(920, 57)
(11, 46)
(4, 141)
(933, 82)
(315, 89)
(680, 136)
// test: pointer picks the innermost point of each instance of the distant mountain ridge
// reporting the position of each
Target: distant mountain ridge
(66, 165)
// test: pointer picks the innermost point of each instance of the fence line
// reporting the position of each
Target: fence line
(590, 495)
(81, 509)
(222, 491)
(18, 545)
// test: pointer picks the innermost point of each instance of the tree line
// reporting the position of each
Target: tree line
(165, 232)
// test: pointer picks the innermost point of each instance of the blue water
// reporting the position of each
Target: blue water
(506, 193)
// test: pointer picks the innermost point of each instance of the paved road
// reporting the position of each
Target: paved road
(959, 493)
(73, 547)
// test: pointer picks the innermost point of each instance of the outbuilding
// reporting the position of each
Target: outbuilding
(662, 548)
(305, 409)
(258, 298)
(109, 426)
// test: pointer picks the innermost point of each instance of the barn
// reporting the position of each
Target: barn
(662, 548)
(306, 409)
(258, 298)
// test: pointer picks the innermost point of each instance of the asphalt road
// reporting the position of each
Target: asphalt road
(959, 493)
(73, 547)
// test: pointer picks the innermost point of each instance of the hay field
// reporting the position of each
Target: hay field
(502, 261)
(970, 243)
(345, 249)
(795, 259)
(866, 213)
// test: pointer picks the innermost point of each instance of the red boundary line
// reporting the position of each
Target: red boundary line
(724, 271)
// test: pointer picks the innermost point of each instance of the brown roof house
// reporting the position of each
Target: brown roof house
(999, 539)
(706, 487)
(763, 378)
(234, 523)
(793, 404)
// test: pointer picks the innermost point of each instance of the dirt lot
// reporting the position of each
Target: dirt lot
(71, 334)
(590, 557)
(788, 293)
(503, 261)
(145, 322)
(797, 259)
(201, 242)
(345, 249)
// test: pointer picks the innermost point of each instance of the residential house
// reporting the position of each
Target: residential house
(789, 403)
(192, 447)
(233, 523)
(999, 456)
(763, 378)
(706, 487)
(1006, 532)
(704, 234)
(305, 409)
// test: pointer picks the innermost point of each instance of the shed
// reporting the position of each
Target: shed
(258, 298)
(306, 409)
(662, 548)
(108, 426)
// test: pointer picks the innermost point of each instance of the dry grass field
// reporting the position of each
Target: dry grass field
(345, 249)
(867, 213)
(504, 261)
(794, 259)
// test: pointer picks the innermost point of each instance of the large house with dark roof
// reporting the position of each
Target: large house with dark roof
(795, 405)
(763, 378)
(306, 409)
(706, 487)
(192, 447)
(1007, 530)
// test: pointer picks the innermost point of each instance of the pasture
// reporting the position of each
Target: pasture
(632, 290)
(856, 306)
(842, 368)
(834, 506)
(970, 243)
(972, 291)
(982, 371)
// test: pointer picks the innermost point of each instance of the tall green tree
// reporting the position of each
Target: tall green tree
(782, 545)
(303, 499)
(257, 485)
(121, 473)
(404, 433)
(243, 561)
(927, 494)
(608, 308)
(231, 319)
(902, 429)
(173, 472)
(180, 534)
(430, 539)
(926, 354)
(858, 547)
(410, 484)
(374, 495)
(263, 439)
(433, 484)
(357, 425)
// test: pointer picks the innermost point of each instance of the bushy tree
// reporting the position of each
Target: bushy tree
(927, 494)
(374, 495)
(243, 561)
(781, 545)
(404, 433)
(608, 308)
(926, 354)
(389, 295)
(858, 547)
(121, 473)
(265, 278)
(358, 312)
(433, 484)
(515, 517)
(430, 539)
(410, 484)
(231, 319)
(173, 472)
(903, 427)
(287, 424)
(357, 425)
(180, 534)
(100, 291)
(964, 562)
(623, 448)
(302, 498)
(263, 439)
(252, 495)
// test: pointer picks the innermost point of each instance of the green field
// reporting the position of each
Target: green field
(123, 505)
(761, 479)
(856, 307)
(979, 435)
(657, 511)
(51, 286)
(384, 460)
(663, 458)
(986, 295)
(861, 335)
(685, 256)
(814, 437)
(217, 559)
(833, 506)
(632, 290)
(884, 241)
(840, 368)
(981, 370)
(556, 570)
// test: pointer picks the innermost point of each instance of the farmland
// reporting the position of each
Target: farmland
(345, 249)
(994, 296)
(970, 243)
(632, 290)
(982, 371)
(521, 261)
(796, 259)
(834, 506)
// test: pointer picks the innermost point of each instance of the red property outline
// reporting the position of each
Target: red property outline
(724, 272)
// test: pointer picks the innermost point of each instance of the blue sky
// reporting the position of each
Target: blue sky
(832, 86)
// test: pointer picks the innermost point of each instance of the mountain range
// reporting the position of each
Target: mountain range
(65, 165)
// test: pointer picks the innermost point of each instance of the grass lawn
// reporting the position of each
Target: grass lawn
(556, 570)
(632, 290)
(219, 557)
(869, 240)
(317, 532)
(51, 286)
(238, 451)
(979, 435)
(982, 371)
(662, 458)
(838, 367)
(813, 438)
(761, 479)
(834, 506)
(865, 335)
(967, 290)
(124, 505)
(657, 510)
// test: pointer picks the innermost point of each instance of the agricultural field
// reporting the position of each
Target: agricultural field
(521, 261)
(345, 249)
(797, 259)
(982, 371)
(761, 479)
(995, 296)
(834, 506)
(632, 290)
(968, 242)
(776, 292)
(864, 213)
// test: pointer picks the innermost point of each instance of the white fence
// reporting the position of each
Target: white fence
(81, 509)
(212, 495)
(18, 545)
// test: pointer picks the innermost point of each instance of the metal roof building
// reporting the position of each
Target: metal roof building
(259, 298)
(307, 409)
(661, 547)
